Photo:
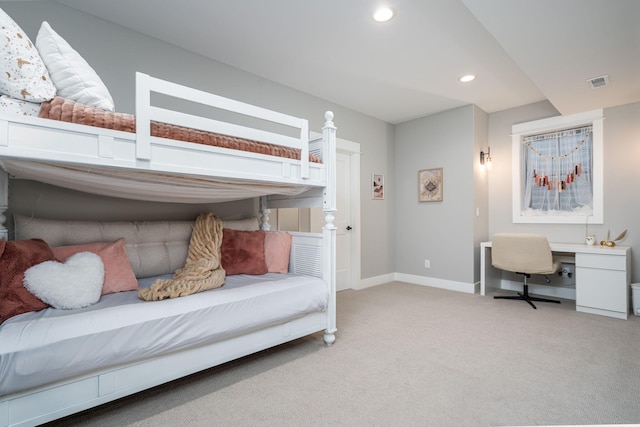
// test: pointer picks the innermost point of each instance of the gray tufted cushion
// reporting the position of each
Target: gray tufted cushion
(153, 247)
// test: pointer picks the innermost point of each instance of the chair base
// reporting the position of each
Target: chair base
(524, 296)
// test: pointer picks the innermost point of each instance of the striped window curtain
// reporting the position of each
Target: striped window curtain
(558, 173)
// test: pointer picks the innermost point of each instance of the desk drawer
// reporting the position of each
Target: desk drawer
(605, 261)
(602, 289)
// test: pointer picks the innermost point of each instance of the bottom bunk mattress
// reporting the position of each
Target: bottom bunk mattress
(46, 346)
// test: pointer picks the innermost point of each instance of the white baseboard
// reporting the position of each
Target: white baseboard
(469, 288)
(375, 281)
(451, 285)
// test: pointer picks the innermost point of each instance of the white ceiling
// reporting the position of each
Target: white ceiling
(522, 51)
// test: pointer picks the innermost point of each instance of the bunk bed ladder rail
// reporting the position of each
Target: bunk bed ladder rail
(145, 113)
(4, 203)
(329, 206)
(4, 183)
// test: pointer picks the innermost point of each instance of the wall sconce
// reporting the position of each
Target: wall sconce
(485, 158)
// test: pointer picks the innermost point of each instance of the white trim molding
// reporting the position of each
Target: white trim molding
(469, 288)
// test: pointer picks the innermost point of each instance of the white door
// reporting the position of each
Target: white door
(346, 220)
(344, 263)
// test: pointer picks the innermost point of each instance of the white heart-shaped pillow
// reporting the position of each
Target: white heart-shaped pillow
(75, 283)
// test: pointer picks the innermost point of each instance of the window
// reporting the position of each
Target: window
(557, 174)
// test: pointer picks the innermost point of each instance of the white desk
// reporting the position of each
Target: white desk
(603, 277)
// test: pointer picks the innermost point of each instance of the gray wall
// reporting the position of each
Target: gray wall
(45, 201)
(442, 232)
(481, 187)
(449, 233)
(117, 53)
(377, 216)
(621, 176)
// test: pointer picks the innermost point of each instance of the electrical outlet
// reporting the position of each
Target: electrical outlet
(427, 263)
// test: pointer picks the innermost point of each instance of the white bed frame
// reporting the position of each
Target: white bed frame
(29, 138)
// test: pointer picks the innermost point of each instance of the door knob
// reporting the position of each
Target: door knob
(348, 227)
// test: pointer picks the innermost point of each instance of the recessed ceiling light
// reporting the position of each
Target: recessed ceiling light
(468, 78)
(383, 14)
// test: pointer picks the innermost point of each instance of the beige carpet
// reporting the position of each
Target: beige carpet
(409, 355)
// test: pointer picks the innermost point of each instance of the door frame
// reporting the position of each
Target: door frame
(352, 149)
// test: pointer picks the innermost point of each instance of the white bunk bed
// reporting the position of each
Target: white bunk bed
(72, 155)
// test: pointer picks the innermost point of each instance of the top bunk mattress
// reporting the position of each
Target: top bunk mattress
(49, 345)
(66, 110)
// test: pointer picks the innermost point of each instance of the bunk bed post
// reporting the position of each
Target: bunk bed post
(143, 116)
(264, 214)
(4, 203)
(304, 150)
(329, 229)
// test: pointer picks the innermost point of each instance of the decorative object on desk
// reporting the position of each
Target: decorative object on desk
(590, 240)
(586, 231)
(377, 190)
(611, 243)
(430, 185)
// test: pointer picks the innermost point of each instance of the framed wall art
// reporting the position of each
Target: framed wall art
(377, 188)
(430, 185)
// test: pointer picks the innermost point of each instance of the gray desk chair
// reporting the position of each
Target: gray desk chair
(526, 254)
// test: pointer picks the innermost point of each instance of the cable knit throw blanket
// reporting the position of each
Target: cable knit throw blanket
(202, 270)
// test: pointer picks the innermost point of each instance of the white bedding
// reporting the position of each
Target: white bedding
(34, 347)
(18, 107)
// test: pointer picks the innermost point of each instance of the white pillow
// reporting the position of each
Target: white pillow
(71, 74)
(24, 76)
(76, 283)
(21, 108)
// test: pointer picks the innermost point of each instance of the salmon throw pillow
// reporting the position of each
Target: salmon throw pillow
(118, 274)
(242, 252)
(277, 249)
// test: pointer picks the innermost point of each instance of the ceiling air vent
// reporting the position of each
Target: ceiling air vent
(597, 82)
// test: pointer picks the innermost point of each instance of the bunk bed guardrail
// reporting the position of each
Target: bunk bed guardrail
(145, 113)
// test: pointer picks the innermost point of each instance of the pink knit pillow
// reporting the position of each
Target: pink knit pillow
(277, 249)
(118, 274)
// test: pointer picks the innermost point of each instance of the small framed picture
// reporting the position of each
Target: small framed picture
(377, 189)
(430, 185)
